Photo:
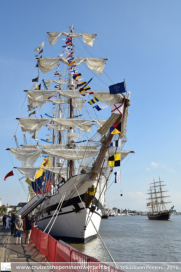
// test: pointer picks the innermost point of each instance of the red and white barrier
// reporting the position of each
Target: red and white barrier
(59, 252)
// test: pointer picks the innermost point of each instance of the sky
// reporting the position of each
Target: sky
(142, 41)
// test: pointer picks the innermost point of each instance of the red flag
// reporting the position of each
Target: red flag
(148, 204)
(48, 187)
(9, 175)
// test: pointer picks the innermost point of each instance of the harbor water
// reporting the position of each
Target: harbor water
(136, 239)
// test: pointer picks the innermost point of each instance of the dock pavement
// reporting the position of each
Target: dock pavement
(11, 253)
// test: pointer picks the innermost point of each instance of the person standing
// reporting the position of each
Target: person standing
(28, 228)
(18, 229)
(4, 220)
(7, 222)
(13, 219)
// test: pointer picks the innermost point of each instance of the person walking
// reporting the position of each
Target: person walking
(28, 228)
(13, 219)
(7, 221)
(4, 220)
(18, 229)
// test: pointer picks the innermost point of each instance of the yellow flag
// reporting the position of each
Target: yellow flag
(114, 160)
(34, 112)
(46, 163)
(53, 111)
(28, 181)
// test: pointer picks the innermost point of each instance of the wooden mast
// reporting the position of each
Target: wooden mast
(71, 162)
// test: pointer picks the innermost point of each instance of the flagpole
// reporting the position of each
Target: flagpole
(71, 162)
(59, 164)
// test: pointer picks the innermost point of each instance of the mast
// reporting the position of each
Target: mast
(161, 195)
(151, 201)
(53, 178)
(156, 201)
(59, 161)
(71, 162)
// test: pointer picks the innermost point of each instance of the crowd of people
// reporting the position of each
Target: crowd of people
(18, 227)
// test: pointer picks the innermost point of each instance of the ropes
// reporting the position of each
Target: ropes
(96, 229)
(57, 210)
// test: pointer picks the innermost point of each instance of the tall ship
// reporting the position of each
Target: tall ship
(77, 142)
(157, 203)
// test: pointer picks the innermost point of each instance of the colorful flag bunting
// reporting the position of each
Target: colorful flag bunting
(116, 128)
(39, 47)
(114, 160)
(9, 175)
(116, 143)
(71, 59)
(39, 87)
(81, 90)
(41, 51)
(117, 177)
(94, 100)
(101, 106)
(35, 79)
(117, 88)
(29, 181)
(35, 136)
(117, 108)
(34, 112)
(34, 86)
(76, 76)
(80, 84)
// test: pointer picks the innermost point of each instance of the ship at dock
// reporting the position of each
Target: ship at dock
(67, 189)
(157, 203)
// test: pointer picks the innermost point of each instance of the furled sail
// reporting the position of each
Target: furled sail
(26, 156)
(87, 38)
(29, 156)
(61, 82)
(32, 124)
(95, 64)
(77, 103)
(30, 172)
(58, 127)
(71, 154)
(58, 146)
(42, 95)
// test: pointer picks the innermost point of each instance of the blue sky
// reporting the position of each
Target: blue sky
(143, 43)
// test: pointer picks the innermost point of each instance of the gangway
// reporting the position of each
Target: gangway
(31, 205)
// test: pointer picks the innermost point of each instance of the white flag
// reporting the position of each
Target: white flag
(101, 106)
(117, 108)
(117, 177)
(39, 47)
(34, 86)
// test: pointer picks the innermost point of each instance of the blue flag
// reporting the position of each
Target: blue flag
(117, 177)
(117, 88)
(116, 143)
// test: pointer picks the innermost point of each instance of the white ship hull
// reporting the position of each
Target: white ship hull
(72, 218)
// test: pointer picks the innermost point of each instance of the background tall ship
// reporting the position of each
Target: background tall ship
(157, 202)
(69, 185)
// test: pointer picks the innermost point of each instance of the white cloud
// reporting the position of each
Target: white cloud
(147, 169)
(154, 164)
(170, 170)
